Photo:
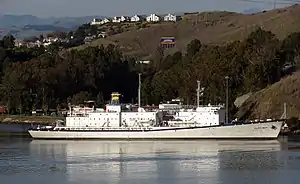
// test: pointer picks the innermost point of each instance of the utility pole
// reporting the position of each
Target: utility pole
(198, 94)
(226, 78)
(139, 91)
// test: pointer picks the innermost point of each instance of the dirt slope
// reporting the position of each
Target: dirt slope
(269, 102)
(209, 27)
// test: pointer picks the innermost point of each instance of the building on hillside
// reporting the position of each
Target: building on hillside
(153, 18)
(120, 19)
(99, 21)
(167, 42)
(102, 35)
(116, 19)
(96, 22)
(137, 18)
(19, 43)
(105, 20)
(143, 62)
(171, 18)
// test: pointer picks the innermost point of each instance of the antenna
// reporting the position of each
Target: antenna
(199, 93)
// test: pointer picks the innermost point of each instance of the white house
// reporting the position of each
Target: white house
(137, 18)
(19, 43)
(116, 19)
(96, 22)
(120, 19)
(153, 18)
(99, 21)
(102, 35)
(143, 62)
(124, 18)
(104, 21)
(171, 17)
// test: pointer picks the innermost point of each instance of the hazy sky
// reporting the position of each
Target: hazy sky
(57, 8)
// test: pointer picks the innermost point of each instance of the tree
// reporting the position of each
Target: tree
(73, 76)
(59, 34)
(41, 38)
(99, 99)
(70, 34)
(8, 41)
(261, 50)
(193, 47)
(81, 97)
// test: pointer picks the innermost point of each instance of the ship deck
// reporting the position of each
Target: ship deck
(146, 129)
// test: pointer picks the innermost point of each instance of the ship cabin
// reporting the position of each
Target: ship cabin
(200, 116)
(81, 110)
(174, 104)
(115, 115)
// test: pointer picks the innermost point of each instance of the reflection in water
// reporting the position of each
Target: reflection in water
(158, 161)
(18, 165)
(149, 162)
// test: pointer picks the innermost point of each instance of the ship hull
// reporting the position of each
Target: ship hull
(266, 130)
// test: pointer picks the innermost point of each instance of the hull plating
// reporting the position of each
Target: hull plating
(266, 130)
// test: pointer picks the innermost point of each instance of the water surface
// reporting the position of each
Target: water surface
(149, 162)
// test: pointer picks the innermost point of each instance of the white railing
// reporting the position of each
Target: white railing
(103, 128)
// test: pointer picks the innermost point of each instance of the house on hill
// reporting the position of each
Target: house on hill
(153, 18)
(96, 22)
(120, 19)
(137, 18)
(99, 21)
(171, 18)
(106, 20)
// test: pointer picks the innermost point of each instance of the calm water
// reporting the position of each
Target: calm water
(149, 162)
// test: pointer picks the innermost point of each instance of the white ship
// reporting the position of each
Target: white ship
(119, 122)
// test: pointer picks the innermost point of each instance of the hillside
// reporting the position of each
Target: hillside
(209, 27)
(35, 78)
(269, 102)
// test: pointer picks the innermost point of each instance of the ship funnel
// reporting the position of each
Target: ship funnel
(115, 98)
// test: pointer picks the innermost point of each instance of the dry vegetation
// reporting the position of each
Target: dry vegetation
(209, 27)
(269, 102)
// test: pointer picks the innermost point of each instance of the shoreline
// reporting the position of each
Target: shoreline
(18, 125)
(28, 119)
